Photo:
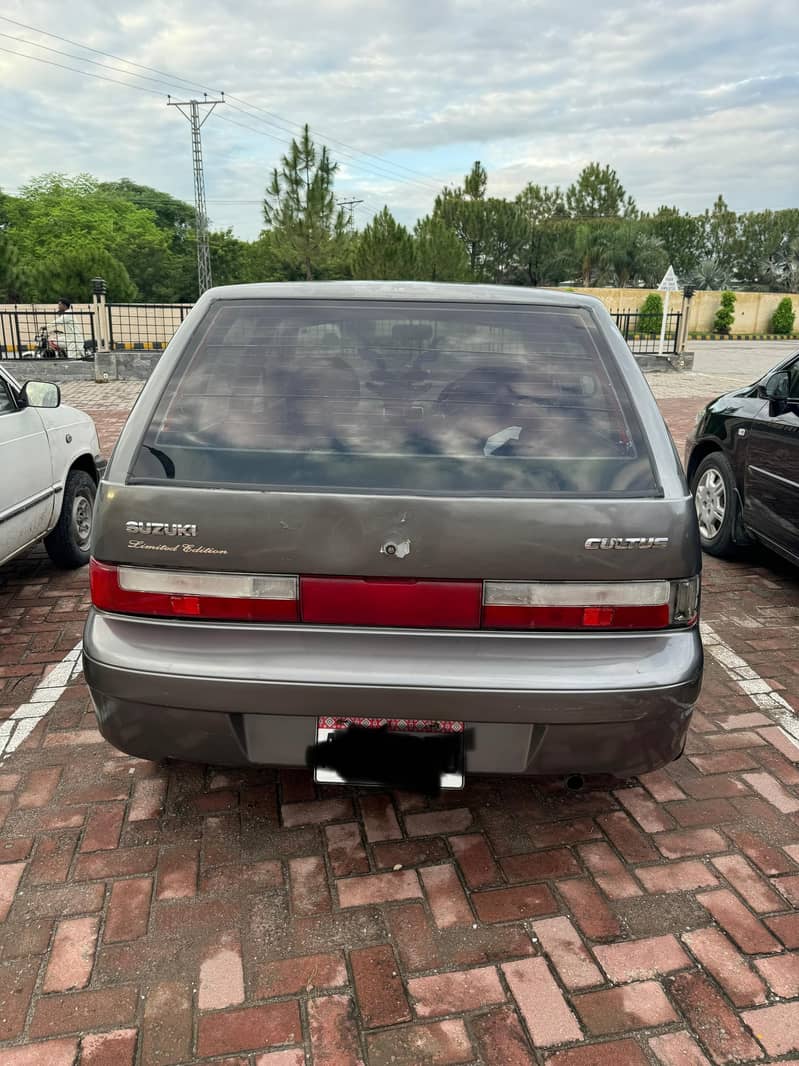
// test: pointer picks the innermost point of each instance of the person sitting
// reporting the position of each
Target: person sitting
(66, 332)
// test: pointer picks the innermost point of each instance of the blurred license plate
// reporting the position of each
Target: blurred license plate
(395, 729)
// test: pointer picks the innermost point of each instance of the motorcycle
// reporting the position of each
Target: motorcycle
(46, 347)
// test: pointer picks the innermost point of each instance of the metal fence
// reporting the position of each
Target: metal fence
(642, 332)
(21, 327)
(151, 327)
(144, 326)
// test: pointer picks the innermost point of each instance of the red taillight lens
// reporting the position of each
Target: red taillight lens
(183, 594)
(577, 606)
(376, 602)
(510, 605)
(502, 617)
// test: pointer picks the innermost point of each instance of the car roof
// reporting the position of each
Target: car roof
(402, 290)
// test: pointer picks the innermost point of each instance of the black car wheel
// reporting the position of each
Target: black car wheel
(716, 502)
(68, 544)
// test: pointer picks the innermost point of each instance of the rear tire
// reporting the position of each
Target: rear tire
(69, 543)
(716, 502)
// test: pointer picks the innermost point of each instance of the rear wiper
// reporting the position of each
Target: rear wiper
(164, 460)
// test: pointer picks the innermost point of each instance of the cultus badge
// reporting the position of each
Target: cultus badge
(624, 543)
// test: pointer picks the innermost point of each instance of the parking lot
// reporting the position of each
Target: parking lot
(176, 914)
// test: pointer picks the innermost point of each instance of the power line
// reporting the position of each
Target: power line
(187, 82)
(115, 81)
(83, 59)
(332, 140)
(85, 73)
(99, 52)
(354, 163)
(264, 133)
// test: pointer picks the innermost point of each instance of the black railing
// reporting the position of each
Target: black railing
(144, 326)
(642, 332)
(21, 328)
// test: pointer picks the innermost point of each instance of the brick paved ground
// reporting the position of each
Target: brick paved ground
(157, 915)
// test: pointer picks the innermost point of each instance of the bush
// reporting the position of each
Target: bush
(725, 316)
(650, 315)
(784, 317)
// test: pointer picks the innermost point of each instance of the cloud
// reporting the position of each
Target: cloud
(684, 100)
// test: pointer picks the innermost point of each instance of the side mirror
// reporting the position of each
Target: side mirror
(776, 387)
(40, 394)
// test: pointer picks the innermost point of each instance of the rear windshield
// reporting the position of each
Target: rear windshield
(394, 397)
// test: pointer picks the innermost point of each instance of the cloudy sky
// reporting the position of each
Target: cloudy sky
(686, 99)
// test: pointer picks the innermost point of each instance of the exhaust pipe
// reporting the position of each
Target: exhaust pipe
(574, 782)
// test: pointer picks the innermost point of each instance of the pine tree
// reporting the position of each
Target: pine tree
(300, 208)
(439, 255)
(384, 251)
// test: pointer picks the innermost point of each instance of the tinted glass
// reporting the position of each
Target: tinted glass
(397, 397)
(7, 404)
(793, 377)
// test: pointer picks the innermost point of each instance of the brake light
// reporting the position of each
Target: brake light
(183, 594)
(391, 602)
(625, 605)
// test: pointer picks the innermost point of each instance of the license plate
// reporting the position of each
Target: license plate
(451, 775)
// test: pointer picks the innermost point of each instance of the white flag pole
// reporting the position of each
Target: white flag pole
(663, 322)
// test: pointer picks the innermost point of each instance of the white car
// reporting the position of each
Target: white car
(50, 467)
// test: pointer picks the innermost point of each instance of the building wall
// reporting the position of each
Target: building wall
(753, 310)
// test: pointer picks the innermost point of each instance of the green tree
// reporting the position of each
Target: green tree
(540, 203)
(721, 236)
(779, 270)
(73, 220)
(544, 255)
(598, 193)
(438, 253)
(681, 235)
(725, 316)
(384, 251)
(171, 275)
(231, 258)
(504, 241)
(265, 261)
(463, 209)
(300, 208)
(783, 318)
(619, 255)
(650, 315)
(475, 182)
(589, 251)
(71, 273)
(651, 260)
(710, 274)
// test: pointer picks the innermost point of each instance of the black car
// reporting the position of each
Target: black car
(742, 462)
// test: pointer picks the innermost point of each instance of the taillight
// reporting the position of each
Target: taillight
(184, 594)
(420, 604)
(594, 606)
(386, 602)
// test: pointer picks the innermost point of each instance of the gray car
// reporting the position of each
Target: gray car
(442, 510)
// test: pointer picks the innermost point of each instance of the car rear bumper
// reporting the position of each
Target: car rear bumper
(536, 703)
